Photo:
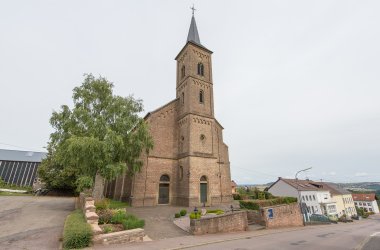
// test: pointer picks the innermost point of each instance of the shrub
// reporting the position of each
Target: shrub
(117, 204)
(219, 212)
(194, 216)
(76, 233)
(183, 212)
(177, 215)
(249, 205)
(108, 229)
(105, 216)
(102, 204)
(118, 217)
(2, 183)
(131, 222)
(236, 196)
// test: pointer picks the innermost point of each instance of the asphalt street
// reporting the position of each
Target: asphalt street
(28, 222)
(356, 235)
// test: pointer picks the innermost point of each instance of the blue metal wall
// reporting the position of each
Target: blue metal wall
(20, 173)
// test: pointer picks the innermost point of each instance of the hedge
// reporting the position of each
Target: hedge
(76, 233)
(256, 204)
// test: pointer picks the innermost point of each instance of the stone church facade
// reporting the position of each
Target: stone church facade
(189, 164)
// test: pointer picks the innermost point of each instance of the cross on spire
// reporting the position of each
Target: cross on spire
(193, 9)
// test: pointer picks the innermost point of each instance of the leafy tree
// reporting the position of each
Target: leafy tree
(102, 136)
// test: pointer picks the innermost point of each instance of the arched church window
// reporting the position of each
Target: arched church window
(183, 71)
(200, 69)
(164, 178)
(203, 179)
(201, 96)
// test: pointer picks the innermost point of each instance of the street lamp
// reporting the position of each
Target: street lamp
(299, 196)
(302, 171)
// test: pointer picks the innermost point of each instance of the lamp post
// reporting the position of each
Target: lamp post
(302, 171)
(299, 195)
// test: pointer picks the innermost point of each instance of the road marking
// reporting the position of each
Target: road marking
(375, 234)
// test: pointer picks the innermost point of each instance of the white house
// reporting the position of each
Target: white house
(367, 202)
(313, 197)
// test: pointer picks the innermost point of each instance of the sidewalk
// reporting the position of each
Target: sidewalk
(195, 241)
(191, 241)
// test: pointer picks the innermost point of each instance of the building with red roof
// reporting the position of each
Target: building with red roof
(367, 202)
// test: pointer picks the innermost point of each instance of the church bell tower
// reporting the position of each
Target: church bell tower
(200, 135)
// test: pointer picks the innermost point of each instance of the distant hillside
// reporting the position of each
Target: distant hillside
(362, 187)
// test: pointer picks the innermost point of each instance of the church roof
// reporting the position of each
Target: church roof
(193, 35)
(17, 155)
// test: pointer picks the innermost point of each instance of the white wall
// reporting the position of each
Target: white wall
(283, 189)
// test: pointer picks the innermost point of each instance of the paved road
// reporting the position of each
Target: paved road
(337, 237)
(373, 242)
(28, 222)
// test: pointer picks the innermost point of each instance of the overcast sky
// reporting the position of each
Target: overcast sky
(296, 83)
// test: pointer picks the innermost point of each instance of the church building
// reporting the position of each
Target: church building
(189, 164)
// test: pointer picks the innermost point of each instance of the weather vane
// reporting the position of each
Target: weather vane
(193, 9)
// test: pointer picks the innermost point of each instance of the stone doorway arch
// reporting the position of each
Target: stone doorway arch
(203, 189)
(163, 189)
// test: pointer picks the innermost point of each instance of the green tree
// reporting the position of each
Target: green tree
(102, 136)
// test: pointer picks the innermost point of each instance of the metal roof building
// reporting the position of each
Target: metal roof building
(19, 167)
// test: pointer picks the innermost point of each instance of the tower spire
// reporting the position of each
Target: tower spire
(193, 35)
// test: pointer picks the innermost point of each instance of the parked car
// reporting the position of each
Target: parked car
(355, 217)
(344, 219)
(333, 218)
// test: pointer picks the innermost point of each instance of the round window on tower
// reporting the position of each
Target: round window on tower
(203, 137)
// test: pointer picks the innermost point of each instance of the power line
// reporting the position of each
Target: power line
(251, 170)
(30, 149)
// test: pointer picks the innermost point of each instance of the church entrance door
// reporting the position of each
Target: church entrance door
(163, 197)
(203, 189)
(163, 190)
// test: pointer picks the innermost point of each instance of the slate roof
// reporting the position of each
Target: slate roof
(334, 188)
(17, 155)
(193, 35)
(363, 197)
(302, 185)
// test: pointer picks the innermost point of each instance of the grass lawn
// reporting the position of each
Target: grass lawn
(14, 194)
(117, 204)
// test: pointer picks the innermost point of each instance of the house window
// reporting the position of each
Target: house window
(307, 198)
(310, 197)
(183, 98)
(201, 98)
(369, 204)
(370, 209)
(200, 69)
(183, 71)
(303, 198)
(313, 197)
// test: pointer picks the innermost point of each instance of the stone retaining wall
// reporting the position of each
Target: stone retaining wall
(288, 215)
(127, 236)
(87, 204)
(255, 217)
(229, 222)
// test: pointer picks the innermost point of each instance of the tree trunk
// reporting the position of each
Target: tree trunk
(97, 192)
